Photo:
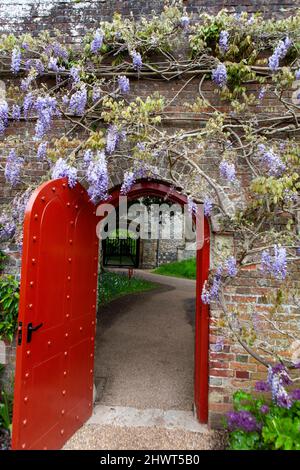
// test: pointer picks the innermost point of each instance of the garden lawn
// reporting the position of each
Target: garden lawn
(185, 269)
(113, 285)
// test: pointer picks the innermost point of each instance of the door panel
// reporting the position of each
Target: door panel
(54, 371)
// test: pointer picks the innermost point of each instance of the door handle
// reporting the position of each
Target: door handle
(31, 329)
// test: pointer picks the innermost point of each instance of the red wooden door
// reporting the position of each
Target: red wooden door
(54, 368)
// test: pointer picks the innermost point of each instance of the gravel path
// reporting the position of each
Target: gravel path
(94, 437)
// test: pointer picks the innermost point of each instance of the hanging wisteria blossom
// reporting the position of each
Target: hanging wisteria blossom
(219, 75)
(46, 108)
(227, 171)
(223, 41)
(97, 41)
(275, 264)
(128, 182)
(7, 227)
(97, 177)
(137, 60)
(123, 83)
(114, 136)
(207, 206)
(3, 116)
(279, 53)
(16, 60)
(42, 150)
(13, 168)
(78, 101)
(271, 161)
(62, 169)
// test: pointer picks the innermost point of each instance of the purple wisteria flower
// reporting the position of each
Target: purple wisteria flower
(26, 82)
(13, 168)
(295, 394)
(262, 93)
(279, 53)
(97, 42)
(62, 169)
(227, 170)
(264, 409)
(59, 51)
(36, 65)
(114, 136)
(230, 265)
(96, 93)
(28, 104)
(3, 116)
(46, 108)
(16, 58)
(219, 344)
(205, 294)
(275, 264)
(87, 157)
(207, 206)
(262, 386)
(75, 74)
(273, 163)
(297, 74)
(219, 75)
(97, 177)
(184, 22)
(191, 205)
(42, 150)
(123, 83)
(16, 112)
(128, 182)
(243, 420)
(210, 293)
(223, 41)
(7, 227)
(78, 101)
(137, 60)
(52, 64)
(277, 378)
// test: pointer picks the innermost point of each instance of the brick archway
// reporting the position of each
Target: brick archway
(55, 345)
(162, 189)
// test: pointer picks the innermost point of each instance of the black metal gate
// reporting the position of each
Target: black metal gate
(121, 252)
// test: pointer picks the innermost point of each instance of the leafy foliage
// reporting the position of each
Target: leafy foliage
(278, 427)
(9, 304)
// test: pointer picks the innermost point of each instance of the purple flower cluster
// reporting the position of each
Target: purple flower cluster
(219, 75)
(59, 51)
(97, 42)
(279, 53)
(276, 264)
(297, 74)
(7, 227)
(230, 265)
(207, 206)
(3, 116)
(184, 22)
(277, 378)
(242, 420)
(87, 157)
(46, 108)
(219, 344)
(13, 168)
(53, 65)
(262, 386)
(212, 293)
(16, 112)
(223, 41)
(62, 169)
(114, 136)
(16, 58)
(28, 104)
(26, 82)
(137, 60)
(96, 93)
(75, 74)
(262, 93)
(78, 101)
(36, 65)
(42, 150)
(273, 163)
(192, 206)
(227, 170)
(97, 177)
(123, 83)
(128, 182)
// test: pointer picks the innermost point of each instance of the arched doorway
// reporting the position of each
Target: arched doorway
(54, 365)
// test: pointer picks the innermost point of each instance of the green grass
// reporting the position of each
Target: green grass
(113, 285)
(185, 269)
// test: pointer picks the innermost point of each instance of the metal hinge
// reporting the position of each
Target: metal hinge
(20, 333)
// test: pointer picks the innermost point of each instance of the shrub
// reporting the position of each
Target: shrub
(9, 304)
(255, 424)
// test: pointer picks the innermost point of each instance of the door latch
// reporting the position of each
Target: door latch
(31, 329)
